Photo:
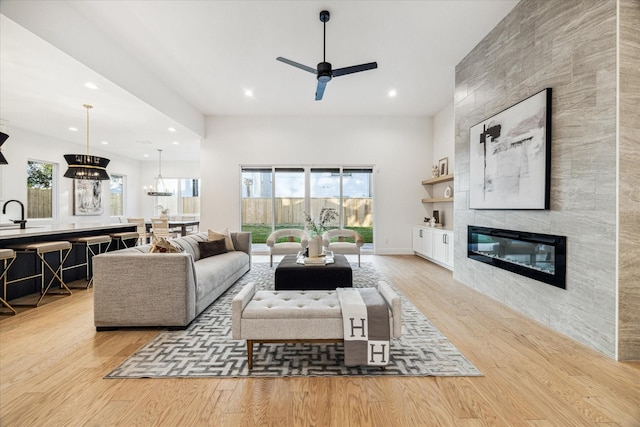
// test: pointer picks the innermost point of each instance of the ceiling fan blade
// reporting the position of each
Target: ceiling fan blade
(355, 69)
(320, 90)
(297, 65)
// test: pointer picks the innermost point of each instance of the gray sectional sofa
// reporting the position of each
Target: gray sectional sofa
(133, 287)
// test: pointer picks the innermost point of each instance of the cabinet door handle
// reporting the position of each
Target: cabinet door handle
(420, 233)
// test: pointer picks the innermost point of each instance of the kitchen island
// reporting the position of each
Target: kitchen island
(26, 265)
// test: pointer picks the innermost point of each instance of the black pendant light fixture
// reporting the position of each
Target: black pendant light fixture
(3, 138)
(160, 188)
(85, 166)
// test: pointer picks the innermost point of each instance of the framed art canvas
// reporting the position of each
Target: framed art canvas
(87, 197)
(443, 166)
(510, 157)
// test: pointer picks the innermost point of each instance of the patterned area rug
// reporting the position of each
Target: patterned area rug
(205, 348)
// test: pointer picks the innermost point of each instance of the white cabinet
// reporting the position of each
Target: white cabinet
(422, 241)
(434, 244)
(443, 247)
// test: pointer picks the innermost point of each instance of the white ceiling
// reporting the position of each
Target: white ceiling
(170, 63)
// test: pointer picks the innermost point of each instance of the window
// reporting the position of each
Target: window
(185, 199)
(40, 189)
(274, 198)
(257, 202)
(116, 194)
(289, 202)
(324, 190)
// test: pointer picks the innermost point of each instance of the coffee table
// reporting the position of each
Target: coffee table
(290, 275)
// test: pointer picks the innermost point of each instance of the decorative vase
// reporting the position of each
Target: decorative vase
(315, 246)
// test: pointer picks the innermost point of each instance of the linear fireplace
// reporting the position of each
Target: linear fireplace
(538, 256)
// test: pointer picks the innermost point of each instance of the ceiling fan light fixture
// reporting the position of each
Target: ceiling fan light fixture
(86, 166)
(324, 71)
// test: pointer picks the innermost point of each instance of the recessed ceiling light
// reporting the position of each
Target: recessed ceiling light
(73, 129)
(392, 93)
(146, 155)
(104, 142)
(176, 143)
(248, 93)
(171, 129)
(90, 85)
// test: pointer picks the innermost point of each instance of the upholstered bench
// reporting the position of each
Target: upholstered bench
(297, 316)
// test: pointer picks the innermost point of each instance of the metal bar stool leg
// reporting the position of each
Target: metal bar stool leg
(57, 273)
(40, 249)
(124, 237)
(6, 254)
(89, 243)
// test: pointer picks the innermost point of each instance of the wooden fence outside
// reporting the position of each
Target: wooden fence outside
(357, 212)
(39, 203)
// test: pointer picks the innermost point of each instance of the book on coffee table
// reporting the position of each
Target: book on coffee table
(323, 259)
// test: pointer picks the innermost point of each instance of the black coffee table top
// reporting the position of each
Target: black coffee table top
(290, 275)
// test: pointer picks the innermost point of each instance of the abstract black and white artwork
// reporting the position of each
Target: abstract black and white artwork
(87, 198)
(510, 157)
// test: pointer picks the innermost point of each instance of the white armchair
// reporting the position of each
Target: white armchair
(291, 246)
(341, 246)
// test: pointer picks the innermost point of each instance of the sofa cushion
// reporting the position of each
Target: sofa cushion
(215, 235)
(214, 271)
(162, 245)
(212, 248)
(190, 244)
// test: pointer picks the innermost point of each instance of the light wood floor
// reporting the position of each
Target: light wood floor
(52, 364)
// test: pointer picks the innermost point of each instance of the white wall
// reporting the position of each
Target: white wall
(399, 148)
(444, 136)
(25, 145)
(443, 146)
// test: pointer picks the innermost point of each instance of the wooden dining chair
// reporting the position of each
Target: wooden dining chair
(141, 229)
(160, 228)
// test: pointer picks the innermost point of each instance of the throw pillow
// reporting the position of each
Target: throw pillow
(162, 245)
(215, 235)
(212, 247)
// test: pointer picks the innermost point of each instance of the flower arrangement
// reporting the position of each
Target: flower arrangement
(327, 215)
(163, 210)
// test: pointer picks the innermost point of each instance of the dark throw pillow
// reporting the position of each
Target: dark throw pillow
(212, 247)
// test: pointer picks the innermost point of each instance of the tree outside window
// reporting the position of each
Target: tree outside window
(116, 194)
(39, 189)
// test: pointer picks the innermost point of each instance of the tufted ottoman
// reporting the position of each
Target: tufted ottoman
(297, 316)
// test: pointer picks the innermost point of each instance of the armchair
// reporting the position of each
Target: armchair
(340, 246)
(291, 246)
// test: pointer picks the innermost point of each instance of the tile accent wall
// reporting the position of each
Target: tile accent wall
(629, 182)
(571, 47)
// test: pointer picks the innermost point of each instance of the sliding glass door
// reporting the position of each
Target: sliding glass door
(289, 201)
(278, 197)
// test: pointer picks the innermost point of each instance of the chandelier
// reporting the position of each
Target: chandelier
(85, 166)
(160, 189)
(3, 138)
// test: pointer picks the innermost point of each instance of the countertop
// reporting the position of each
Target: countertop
(437, 227)
(11, 231)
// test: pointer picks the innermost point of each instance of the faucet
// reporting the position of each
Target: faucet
(21, 221)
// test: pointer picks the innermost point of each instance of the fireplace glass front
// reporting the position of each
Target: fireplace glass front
(538, 256)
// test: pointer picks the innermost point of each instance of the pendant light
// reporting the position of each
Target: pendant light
(3, 138)
(85, 166)
(160, 189)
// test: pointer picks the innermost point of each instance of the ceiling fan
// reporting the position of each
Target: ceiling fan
(324, 73)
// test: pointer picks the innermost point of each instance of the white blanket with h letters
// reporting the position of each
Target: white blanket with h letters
(365, 319)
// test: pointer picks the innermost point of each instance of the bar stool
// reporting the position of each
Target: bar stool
(5, 255)
(124, 237)
(40, 249)
(89, 242)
